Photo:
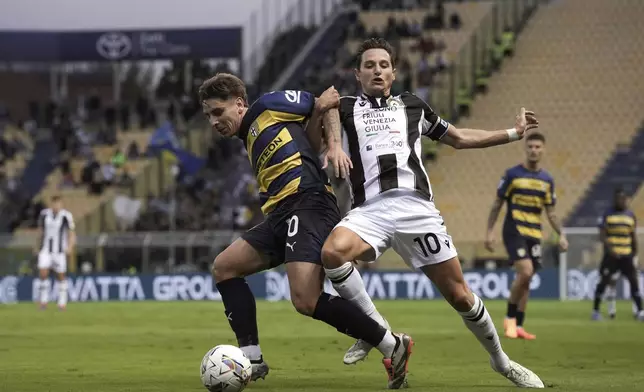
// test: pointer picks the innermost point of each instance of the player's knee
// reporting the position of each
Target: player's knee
(304, 304)
(222, 269)
(460, 297)
(336, 251)
(524, 276)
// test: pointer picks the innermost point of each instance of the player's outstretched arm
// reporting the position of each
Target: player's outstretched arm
(462, 138)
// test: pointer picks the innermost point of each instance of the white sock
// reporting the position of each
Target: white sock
(254, 353)
(478, 321)
(44, 288)
(348, 283)
(62, 292)
(387, 345)
(611, 294)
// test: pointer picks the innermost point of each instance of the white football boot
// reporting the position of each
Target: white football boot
(519, 375)
(360, 349)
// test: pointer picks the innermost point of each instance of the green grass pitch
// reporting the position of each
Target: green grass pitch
(155, 346)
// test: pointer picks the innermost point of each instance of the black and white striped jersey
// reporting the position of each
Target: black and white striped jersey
(382, 137)
(55, 230)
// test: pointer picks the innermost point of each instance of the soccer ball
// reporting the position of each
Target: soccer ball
(225, 368)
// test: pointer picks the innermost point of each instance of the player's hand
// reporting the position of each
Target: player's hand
(329, 99)
(340, 161)
(490, 242)
(563, 243)
(525, 121)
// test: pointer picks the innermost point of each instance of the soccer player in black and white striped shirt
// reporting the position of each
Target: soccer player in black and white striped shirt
(56, 240)
(393, 204)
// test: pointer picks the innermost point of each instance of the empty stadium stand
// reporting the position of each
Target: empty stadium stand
(566, 72)
(637, 205)
(625, 169)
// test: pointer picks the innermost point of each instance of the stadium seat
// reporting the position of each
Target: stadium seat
(586, 105)
(471, 14)
(77, 200)
(637, 205)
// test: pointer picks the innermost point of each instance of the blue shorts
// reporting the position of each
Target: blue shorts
(521, 248)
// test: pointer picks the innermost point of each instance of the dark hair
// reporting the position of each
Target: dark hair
(620, 191)
(535, 136)
(375, 43)
(55, 198)
(223, 86)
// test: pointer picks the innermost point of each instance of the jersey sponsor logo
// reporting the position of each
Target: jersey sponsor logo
(377, 120)
(395, 143)
(272, 146)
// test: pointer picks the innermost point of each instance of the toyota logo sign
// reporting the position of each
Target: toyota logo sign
(114, 46)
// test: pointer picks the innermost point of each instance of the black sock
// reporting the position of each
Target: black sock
(520, 318)
(348, 319)
(638, 302)
(635, 292)
(240, 310)
(512, 310)
(599, 293)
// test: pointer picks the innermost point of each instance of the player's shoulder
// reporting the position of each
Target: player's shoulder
(545, 175)
(67, 213)
(348, 100)
(515, 171)
(412, 100)
(45, 211)
(347, 104)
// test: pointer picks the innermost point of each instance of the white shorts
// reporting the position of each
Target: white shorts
(406, 222)
(55, 261)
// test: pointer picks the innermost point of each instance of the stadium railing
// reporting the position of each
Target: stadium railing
(260, 31)
(144, 252)
(578, 267)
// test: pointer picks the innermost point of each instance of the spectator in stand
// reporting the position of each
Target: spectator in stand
(426, 45)
(68, 177)
(455, 21)
(133, 151)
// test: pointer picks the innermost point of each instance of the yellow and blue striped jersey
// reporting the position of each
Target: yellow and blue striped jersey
(619, 227)
(526, 192)
(273, 131)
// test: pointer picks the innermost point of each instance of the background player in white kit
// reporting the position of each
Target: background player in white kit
(56, 240)
(393, 202)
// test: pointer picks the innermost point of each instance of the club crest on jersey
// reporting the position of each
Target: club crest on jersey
(521, 252)
(394, 102)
